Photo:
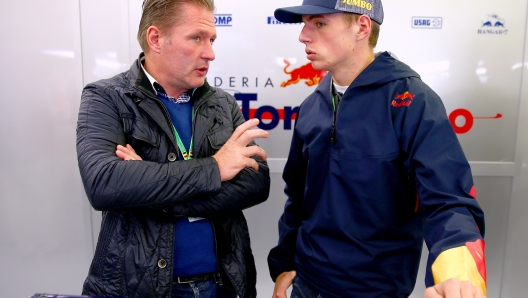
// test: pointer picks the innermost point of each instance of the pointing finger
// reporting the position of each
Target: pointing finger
(250, 135)
(244, 127)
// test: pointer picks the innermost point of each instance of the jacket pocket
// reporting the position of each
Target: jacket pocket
(140, 129)
(218, 138)
(105, 235)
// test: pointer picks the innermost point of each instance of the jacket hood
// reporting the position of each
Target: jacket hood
(385, 68)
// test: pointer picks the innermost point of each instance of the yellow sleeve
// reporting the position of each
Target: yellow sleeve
(464, 263)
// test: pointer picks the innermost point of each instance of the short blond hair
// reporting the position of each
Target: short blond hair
(164, 14)
(374, 33)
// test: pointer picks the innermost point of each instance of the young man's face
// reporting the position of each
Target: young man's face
(187, 50)
(330, 41)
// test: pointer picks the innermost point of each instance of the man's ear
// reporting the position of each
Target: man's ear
(364, 24)
(154, 39)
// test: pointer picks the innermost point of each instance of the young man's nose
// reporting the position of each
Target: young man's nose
(304, 36)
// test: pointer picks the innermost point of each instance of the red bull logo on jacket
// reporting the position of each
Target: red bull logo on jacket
(402, 100)
(306, 72)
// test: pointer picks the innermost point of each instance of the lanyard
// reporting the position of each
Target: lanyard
(186, 155)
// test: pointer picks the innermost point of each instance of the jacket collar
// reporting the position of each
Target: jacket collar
(139, 80)
(385, 68)
(146, 98)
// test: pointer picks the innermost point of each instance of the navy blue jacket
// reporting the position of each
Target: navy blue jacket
(359, 209)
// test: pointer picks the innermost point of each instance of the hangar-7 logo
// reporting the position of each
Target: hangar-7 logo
(493, 25)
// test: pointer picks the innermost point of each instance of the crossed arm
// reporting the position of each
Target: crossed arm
(234, 158)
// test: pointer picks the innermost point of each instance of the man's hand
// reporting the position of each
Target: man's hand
(234, 156)
(127, 153)
(282, 283)
(453, 288)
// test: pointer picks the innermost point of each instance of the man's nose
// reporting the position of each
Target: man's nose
(208, 53)
(304, 36)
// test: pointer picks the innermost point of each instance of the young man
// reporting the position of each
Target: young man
(173, 196)
(374, 169)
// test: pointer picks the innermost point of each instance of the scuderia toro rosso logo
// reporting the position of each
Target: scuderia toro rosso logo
(461, 119)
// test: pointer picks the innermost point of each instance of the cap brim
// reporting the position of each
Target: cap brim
(294, 14)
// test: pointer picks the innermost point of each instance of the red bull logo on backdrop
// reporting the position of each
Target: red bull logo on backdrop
(306, 72)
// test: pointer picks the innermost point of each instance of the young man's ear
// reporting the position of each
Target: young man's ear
(364, 24)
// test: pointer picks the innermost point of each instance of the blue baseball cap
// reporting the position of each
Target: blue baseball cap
(371, 8)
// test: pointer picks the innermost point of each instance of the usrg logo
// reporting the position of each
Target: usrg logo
(223, 20)
(427, 22)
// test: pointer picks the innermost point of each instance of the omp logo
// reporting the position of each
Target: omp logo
(358, 3)
(305, 72)
(427, 22)
(223, 20)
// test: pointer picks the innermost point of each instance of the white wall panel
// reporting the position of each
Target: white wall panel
(516, 255)
(45, 243)
(105, 42)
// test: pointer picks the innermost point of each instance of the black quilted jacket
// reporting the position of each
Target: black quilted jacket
(140, 200)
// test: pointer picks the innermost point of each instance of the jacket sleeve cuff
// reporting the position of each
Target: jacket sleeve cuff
(278, 263)
(464, 263)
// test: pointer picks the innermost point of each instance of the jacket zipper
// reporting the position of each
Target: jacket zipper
(333, 137)
(335, 106)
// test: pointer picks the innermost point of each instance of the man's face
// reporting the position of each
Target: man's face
(330, 41)
(187, 49)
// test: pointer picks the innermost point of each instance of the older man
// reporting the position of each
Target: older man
(172, 164)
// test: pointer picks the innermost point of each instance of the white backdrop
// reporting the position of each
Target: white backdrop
(472, 53)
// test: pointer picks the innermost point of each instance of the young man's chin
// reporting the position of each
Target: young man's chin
(318, 66)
